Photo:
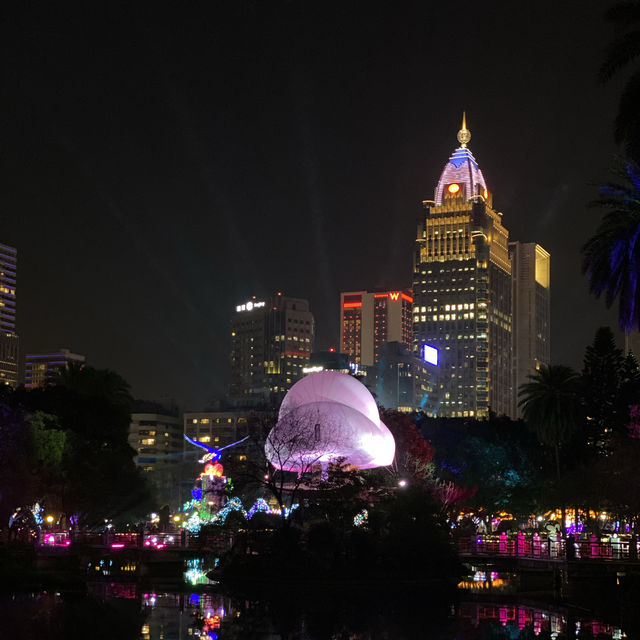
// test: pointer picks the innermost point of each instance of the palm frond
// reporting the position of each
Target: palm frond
(611, 258)
(627, 123)
(624, 15)
(619, 54)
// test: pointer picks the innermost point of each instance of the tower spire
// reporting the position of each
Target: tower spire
(464, 135)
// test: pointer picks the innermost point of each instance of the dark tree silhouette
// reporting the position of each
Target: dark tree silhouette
(601, 379)
(551, 406)
(620, 54)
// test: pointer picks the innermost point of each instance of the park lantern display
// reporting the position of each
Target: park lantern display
(209, 503)
(328, 417)
(209, 493)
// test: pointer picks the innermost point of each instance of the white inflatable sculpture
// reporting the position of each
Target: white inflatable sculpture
(328, 416)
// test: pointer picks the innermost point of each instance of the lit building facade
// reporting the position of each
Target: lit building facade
(462, 291)
(402, 381)
(43, 369)
(8, 337)
(531, 303)
(158, 442)
(271, 341)
(215, 428)
(329, 361)
(370, 319)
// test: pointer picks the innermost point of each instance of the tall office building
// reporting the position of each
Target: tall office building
(370, 319)
(462, 291)
(42, 369)
(531, 299)
(8, 335)
(271, 341)
(402, 381)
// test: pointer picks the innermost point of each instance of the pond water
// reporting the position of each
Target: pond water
(487, 604)
(126, 610)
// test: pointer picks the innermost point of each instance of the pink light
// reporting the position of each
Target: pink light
(160, 546)
(50, 539)
(117, 545)
(351, 426)
(147, 543)
(67, 543)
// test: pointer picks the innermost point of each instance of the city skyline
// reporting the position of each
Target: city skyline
(207, 182)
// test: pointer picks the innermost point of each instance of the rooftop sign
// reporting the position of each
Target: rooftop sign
(250, 306)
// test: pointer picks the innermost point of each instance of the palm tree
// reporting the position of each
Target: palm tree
(620, 53)
(550, 406)
(611, 258)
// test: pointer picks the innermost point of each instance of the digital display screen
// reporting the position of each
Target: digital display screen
(430, 354)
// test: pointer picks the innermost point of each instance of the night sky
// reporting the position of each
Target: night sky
(159, 168)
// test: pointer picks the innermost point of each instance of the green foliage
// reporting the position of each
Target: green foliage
(48, 442)
(610, 385)
(498, 457)
(601, 381)
(550, 403)
(78, 449)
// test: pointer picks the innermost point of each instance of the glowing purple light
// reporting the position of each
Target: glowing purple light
(328, 416)
(462, 169)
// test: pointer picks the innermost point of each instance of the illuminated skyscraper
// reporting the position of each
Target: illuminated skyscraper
(271, 341)
(8, 335)
(368, 320)
(462, 291)
(531, 266)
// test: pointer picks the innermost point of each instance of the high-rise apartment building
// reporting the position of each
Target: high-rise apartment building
(370, 319)
(42, 369)
(271, 341)
(462, 291)
(531, 304)
(8, 335)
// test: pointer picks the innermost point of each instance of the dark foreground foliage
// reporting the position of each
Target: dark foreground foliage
(404, 539)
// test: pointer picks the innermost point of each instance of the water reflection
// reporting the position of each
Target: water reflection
(127, 610)
(484, 580)
(184, 615)
(196, 570)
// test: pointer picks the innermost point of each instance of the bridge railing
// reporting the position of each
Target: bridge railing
(512, 547)
(548, 547)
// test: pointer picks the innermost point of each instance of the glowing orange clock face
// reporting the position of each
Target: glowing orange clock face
(454, 188)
